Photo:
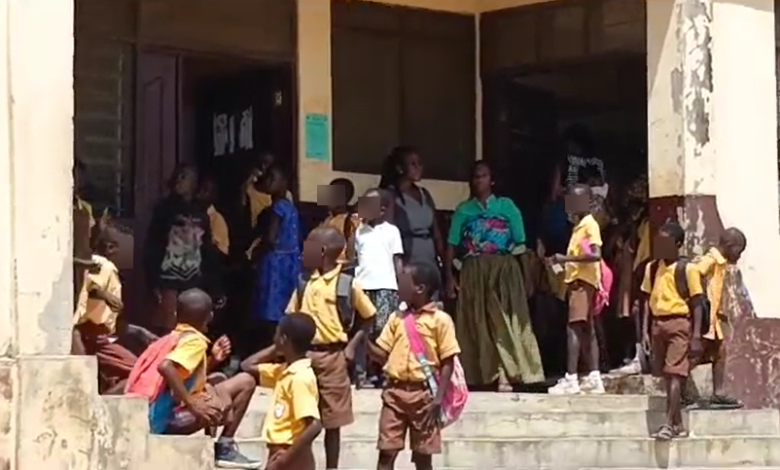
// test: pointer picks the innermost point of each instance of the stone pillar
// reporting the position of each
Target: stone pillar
(36, 160)
(681, 152)
(712, 129)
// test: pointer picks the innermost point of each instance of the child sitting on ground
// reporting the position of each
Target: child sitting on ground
(184, 402)
(713, 266)
(331, 298)
(674, 295)
(293, 422)
(407, 401)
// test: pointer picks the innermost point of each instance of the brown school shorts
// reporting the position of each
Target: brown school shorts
(580, 296)
(403, 408)
(331, 369)
(671, 338)
(305, 460)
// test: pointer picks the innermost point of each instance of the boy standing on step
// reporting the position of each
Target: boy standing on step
(320, 297)
(407, 401)
(293, 422)
(675, 304)
(713, 266)
(582, 276)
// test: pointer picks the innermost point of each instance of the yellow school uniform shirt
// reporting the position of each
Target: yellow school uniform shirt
(319, 302)
(219, 230)
(191, 355)
(664, 298)
(105, 277)
(587, 230)
(438, 335)
(713, 268)
(295, 398)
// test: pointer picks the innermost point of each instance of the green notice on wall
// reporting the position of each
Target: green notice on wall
(317, 134)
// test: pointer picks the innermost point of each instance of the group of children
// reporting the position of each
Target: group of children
(681, 308)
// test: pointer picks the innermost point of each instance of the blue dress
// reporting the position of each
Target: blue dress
(279, 268)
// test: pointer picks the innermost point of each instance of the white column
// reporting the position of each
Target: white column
(36, 160)
(745, 135)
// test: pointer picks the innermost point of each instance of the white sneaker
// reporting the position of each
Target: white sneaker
(592, 385)
(632, 368)
(565, 386)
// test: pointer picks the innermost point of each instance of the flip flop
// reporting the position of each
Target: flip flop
(664, 433)
(680, 431)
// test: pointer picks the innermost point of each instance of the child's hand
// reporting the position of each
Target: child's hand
(432, 414)
(206, 412)
(222, 348)
(558, 258)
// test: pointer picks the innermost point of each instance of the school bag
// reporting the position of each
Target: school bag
(145, 380)
(457, 394)
(601, 299)
(681, 284)
(343, 295)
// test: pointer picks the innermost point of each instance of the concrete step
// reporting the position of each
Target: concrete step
(128, 431)
(179, 453)
(571, 453)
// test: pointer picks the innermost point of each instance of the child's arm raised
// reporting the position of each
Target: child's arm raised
(252, 365)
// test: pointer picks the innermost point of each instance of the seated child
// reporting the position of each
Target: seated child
(321, 298)
(185, 403)
(98, 321)
(674, 294)
(293, 422)
(407, 402)
(713, 266)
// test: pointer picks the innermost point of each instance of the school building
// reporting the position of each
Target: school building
(684, 88)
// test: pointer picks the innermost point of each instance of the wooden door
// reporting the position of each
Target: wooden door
(157, 124)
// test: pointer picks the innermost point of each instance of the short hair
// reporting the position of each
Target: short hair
(349, 188)
(385, 196)
(675, 231)
(424, 273)
(193, 305)
(299, 328)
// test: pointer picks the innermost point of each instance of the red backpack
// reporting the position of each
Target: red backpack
(144, 379)
(601, 299)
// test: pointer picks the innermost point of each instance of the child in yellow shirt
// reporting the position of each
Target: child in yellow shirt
(582, 275)
(673, 290)
(293, 422)
(407, 403)
(713, 266)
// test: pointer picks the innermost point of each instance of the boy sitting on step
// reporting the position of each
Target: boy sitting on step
(293, 422)
(673, 290)
(407, 401)
(172, 373)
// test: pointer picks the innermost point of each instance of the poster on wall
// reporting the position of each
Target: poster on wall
(317, 135)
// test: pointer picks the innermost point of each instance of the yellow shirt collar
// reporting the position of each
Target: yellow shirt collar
(297, 366)
(719, 259)
(185, 328)
(327, 275)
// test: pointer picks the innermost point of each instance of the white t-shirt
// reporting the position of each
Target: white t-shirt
(376, 248)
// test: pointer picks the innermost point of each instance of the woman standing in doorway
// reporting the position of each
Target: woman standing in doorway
(414, 211)
(179, 253)
(492, 320)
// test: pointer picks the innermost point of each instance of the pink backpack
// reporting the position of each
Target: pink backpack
(601, 300)
(457, 394)
(144, 379)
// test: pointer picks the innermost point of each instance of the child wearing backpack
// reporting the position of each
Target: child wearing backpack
(336, 197)
(713, 266)
(583, 278)
(379, 250)
(425, 388)
(172, 374)
(673, 292)
(331, 298)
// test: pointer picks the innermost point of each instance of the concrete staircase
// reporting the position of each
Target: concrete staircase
(51, 416)
(524, 431)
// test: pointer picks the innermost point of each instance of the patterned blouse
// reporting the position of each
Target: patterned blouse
(493, 228)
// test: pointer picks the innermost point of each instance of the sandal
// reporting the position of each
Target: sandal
(724, 402)
(664, 433)
(680, 431)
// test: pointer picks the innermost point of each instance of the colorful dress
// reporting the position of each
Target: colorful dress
(279, 268)
(492, 316)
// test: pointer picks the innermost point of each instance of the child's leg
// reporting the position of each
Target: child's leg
(424, 437)
(392, 427)
(332, 371)
(236, 392)
(332, 448)
(573, 347)
(671, 342)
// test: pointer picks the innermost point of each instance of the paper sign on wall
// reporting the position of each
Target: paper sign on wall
(317, 134)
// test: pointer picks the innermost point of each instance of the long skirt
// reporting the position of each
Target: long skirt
(493, 323)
